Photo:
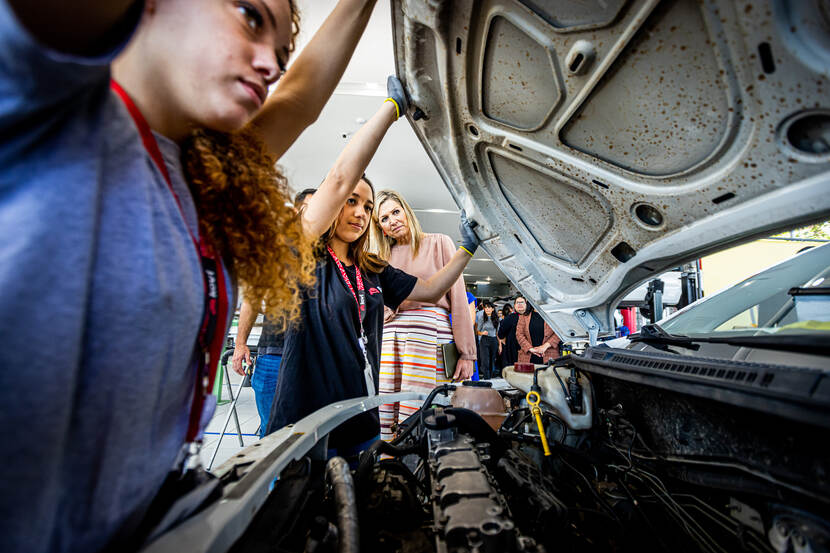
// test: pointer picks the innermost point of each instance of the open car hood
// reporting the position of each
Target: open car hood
(600, 143)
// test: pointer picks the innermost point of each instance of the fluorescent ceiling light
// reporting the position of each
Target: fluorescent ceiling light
(480, 282)
(361, 89)
(453, 211)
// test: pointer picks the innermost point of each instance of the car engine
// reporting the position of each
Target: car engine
(613, 469)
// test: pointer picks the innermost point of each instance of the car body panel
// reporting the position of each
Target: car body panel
(598, 145)
(216, 528)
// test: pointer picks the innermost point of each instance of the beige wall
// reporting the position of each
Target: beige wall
(731, 266)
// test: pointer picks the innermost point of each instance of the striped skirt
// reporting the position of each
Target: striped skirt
(411, 360)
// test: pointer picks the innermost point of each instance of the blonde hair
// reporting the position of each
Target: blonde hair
(385, 243)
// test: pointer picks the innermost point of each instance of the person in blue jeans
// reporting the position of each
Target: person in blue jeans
(269, 347)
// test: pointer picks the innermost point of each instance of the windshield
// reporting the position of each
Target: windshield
(793, 296)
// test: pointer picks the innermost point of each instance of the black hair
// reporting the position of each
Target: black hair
(494, 318)
(302, 195)
(529, 310)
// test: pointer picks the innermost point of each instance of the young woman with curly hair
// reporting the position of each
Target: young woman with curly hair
(412, 358)
(333, 352)
(129, 211)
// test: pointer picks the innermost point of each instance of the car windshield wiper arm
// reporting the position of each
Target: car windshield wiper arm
(653, 335)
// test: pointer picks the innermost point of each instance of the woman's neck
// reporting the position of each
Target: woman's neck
(404, 240)
(140, 89)
(341, 250)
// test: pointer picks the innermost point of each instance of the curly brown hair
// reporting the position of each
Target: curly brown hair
(245, 210)
(295, 24)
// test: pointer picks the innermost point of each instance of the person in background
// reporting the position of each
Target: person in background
(302, 198)
(333, 352)
(126, 208)
(269, 347)
(411, 358)
(507, 335)
(537, 341)
(471, 303)
(487, 323)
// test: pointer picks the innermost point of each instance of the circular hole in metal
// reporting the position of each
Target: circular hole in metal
(491, 527)
(473, 130)
(810, 134)
(806, 135)
(648, 215)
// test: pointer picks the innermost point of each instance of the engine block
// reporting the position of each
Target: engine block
(469, 511)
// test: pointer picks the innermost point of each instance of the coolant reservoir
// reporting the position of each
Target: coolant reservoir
(553, 395)
(486, 402)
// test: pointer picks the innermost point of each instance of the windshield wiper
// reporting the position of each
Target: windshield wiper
(655, 336)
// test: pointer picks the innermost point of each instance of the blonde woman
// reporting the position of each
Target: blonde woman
(411, 355)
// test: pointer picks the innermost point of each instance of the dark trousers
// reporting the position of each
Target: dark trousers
(489, 351)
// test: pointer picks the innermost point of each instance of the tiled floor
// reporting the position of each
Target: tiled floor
(248, 420)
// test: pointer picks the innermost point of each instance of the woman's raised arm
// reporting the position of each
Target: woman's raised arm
(306, 87)
(341, 180)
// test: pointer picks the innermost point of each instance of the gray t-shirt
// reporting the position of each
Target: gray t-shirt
(485, 324)
(101, 300)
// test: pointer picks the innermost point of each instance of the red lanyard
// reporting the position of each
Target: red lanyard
(360, 297)
(216, 297)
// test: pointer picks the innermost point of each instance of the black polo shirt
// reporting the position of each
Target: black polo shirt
(322, 361)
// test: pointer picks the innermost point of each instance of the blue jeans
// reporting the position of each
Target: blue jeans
(264, 383)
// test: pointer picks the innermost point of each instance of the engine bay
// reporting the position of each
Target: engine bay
(624, 470)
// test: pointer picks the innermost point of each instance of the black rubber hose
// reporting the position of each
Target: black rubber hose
(420, 412)
(367, 458)
(445, 388)
(228, 353)
(340, 478)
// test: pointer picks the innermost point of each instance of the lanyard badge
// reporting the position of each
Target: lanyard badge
(360, 300)
(210, 342)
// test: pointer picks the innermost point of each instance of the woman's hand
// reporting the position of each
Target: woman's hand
(433, 289)
(469, 239)
(464, 369)
(397, 94)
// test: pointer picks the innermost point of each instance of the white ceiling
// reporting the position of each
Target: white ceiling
(401, 162)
